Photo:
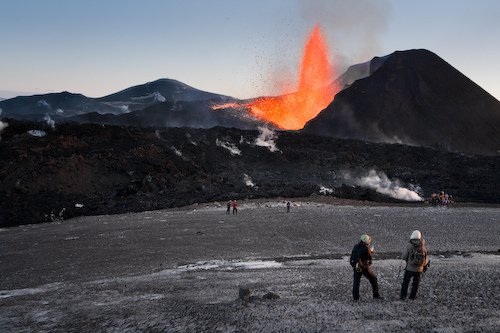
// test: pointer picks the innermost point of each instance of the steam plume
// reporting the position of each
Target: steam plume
(379, 182)
(266, 139)
(50, 121)
(2, 127)
(248, 181)
(356, 26)
(44, 103)
(233, 150)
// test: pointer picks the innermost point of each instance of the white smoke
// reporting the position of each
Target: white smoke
(44, 104)
(159, 97)
(155, 95)
(248, 181)
(355, 27)
(379, 182)
(37, 133)
(325, 190)
(266, 139)
(233, 150)
(124, 108)
(49, 121)
(3, 125)
(60, 111)
(176, 151)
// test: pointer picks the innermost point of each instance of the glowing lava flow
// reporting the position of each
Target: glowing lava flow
(314, 92)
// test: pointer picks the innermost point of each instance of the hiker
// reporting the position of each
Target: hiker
(441, 197)
(417, 261)
(235, 207)
(434, 199)
(228, 211)
(361, 261)
(288, 206)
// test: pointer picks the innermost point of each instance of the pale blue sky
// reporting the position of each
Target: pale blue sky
(232, 47)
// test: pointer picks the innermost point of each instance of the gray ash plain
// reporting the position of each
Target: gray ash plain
(179, 270)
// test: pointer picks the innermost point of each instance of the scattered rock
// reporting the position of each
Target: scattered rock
(271, 295)
(244, 294)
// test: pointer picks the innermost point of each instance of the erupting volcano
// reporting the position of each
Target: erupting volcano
(315, 89)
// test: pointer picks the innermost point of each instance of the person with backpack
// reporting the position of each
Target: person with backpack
(417, 261)
(361, 261)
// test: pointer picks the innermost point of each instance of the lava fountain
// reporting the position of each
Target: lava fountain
(315, 89)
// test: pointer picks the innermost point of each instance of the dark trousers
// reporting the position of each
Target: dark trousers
(414, 285)
(370, 275)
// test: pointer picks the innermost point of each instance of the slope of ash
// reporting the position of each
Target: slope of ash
(96, 169)
(413, 97)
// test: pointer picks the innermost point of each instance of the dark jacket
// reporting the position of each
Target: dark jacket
(361, 256)
(414, 243)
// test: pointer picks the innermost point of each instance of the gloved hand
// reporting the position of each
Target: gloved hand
(427, 266)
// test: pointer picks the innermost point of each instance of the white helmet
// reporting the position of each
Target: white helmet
(416, 235)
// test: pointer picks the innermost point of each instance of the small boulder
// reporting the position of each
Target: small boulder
(244, 294)
(271, 295)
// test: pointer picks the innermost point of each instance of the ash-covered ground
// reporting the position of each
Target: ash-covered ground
(179, 270)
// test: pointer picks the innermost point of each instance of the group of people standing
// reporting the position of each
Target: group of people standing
(441, 199)
(415, 255)
(234, 205)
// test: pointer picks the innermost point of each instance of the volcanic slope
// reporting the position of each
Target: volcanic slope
(414, 98)
(95, 169)
(194, 114)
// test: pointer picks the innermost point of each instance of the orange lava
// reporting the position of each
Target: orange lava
(225, 106)
(315, 90)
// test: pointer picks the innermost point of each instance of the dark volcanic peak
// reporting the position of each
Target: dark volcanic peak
(416, 98)
(162, 90)
(63, 104)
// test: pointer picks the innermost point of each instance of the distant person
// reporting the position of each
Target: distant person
(288, 206)
(441, 197)
(446, 199)
(228, 211)
(235, 207)
(417, 261)
(434, 199)
(361, 261)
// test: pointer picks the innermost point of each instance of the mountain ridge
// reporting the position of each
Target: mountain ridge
(414, 98)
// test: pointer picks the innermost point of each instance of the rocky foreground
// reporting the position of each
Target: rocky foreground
(73, 170)
(180, 270)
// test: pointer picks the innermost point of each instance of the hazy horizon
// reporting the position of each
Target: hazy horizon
(242, 49)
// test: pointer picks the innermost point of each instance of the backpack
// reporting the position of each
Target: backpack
(356, 251)
(417, 256)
